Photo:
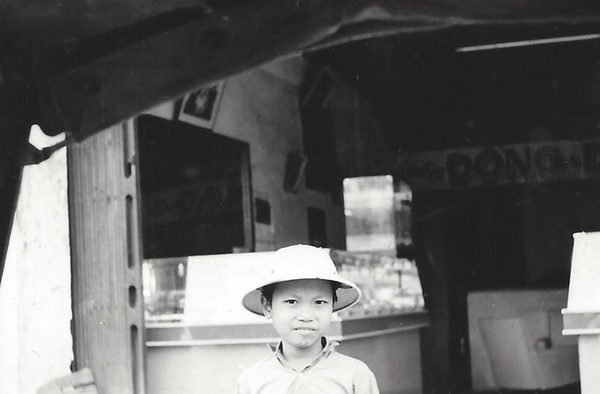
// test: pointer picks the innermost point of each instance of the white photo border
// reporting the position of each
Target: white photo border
(206, 117)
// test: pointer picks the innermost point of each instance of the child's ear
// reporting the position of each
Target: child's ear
(266, 306)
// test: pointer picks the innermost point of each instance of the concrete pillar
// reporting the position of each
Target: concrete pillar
(582, 315)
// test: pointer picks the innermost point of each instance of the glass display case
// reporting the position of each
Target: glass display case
(208, 289)
(389, 285)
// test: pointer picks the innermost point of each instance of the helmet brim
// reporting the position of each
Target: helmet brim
(347, 292)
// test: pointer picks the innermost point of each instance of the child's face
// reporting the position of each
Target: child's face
(301, 311)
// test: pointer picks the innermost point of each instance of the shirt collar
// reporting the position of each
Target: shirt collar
(328, 347)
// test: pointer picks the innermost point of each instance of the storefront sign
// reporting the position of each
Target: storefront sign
(511, 164)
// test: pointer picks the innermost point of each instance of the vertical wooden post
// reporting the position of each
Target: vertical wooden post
(106, 257)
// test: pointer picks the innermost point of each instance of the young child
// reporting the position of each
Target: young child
(299, 292)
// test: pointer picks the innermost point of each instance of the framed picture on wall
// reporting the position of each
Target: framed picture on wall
(196, 191)
(201, 106)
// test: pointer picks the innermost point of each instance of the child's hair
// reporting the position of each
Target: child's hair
(268, 290)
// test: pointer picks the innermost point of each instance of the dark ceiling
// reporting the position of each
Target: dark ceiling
(429, 96)
(92, 64)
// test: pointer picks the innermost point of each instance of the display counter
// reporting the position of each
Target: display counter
(200, 338)
(516, 340)
(182, 334)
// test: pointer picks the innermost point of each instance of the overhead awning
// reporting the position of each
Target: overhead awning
(95, 63)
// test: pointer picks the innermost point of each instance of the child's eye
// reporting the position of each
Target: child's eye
(291, 302)
(320, 302)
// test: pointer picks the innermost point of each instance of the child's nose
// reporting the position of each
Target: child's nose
(306, 313)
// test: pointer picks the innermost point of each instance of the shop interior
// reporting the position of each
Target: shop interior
(358, 110)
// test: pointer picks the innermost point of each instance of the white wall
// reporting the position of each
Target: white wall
(9, 329)
(35, 299)
(261, 107)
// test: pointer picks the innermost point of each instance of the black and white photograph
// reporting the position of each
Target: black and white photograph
(202, 105)
(300, 197)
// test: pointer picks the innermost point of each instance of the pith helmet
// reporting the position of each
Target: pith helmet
(302, 262)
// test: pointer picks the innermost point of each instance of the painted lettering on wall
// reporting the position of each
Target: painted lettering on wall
(206, 201)
(511, 164)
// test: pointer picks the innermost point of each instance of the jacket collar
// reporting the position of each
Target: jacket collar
(328, 347)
